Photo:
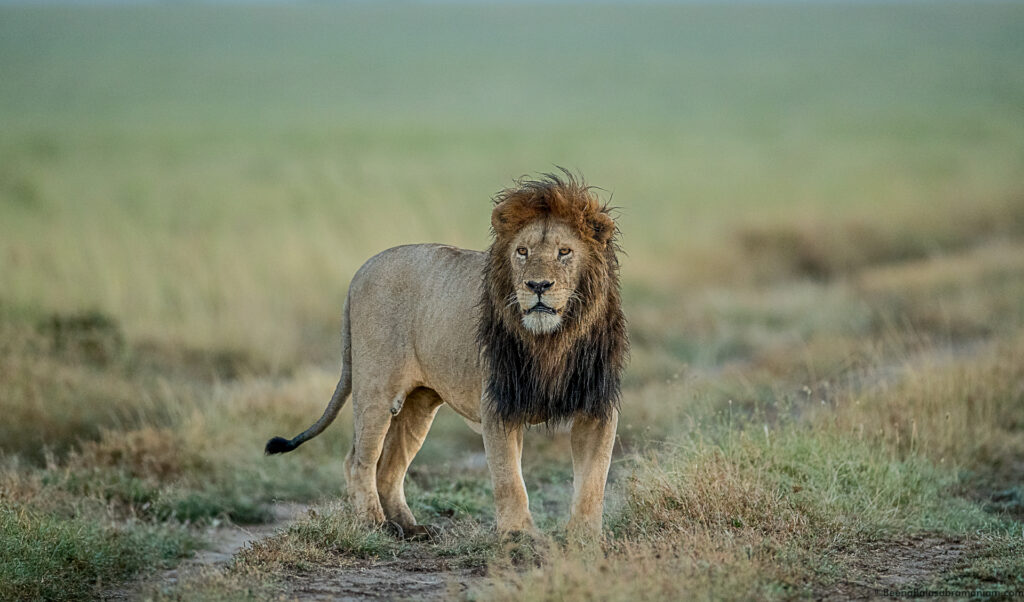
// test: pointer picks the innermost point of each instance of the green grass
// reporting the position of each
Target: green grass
(48, 558)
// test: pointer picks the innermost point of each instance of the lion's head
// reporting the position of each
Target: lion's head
(552, 328)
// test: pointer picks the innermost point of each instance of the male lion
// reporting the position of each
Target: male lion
(531, 331)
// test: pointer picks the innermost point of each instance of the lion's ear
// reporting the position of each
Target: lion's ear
(603, 226)
(507, 217)
(499, 221)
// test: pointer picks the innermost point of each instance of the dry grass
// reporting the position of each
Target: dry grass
(737, 511)
(327, 535)
(157, 453)
(704, 569)
(63, 395)
(966, 413)
(824, 248)
(957, 297)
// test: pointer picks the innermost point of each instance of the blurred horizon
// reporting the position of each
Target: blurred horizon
(539, 3)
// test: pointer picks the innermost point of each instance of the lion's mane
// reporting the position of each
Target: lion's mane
(577, 368)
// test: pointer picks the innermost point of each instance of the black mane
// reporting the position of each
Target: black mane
(521, 391)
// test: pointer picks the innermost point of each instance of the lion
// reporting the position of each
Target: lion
(529, 332)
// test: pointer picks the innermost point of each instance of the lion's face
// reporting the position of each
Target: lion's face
(545, 258)
(551, 330)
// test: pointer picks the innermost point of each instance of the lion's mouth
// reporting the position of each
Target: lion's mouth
(541, 308)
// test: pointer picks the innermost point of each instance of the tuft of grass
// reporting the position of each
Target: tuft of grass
(154, 453)
(324, 534)
(471, 544)
(64, 398)
(789, 484)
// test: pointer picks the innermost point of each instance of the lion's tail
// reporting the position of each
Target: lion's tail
(280, 445)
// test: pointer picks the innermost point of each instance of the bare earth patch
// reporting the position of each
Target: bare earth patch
(412, 580)
(875, 567)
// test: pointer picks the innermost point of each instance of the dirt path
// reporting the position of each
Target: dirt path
(223, 542)
(897, 564)
(382, 580)
(421, 577)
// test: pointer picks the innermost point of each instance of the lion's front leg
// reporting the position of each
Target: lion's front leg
(592, 441)
(504, 448)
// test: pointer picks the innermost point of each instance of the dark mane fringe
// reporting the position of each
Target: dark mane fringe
(577, 369)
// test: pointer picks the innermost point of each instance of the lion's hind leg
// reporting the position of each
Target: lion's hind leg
(371, 417)
(404, 438)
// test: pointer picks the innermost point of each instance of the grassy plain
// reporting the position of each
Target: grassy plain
(823, 210)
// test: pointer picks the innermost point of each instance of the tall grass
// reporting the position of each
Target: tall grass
(163, 165)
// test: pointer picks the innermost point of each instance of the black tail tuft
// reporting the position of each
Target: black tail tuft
(279, 445)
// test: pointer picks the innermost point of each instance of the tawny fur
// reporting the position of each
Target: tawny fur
(431, 324)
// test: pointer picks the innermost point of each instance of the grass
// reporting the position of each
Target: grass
(323, 534)
(822, 206)
(742, 505)
(739, 512)
(185, 166)
(45, 557)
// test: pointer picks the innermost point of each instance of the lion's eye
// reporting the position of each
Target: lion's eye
(564, 252)
(522, 252)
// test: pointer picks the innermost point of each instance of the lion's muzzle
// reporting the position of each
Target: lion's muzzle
(544, 309)
(541, 313)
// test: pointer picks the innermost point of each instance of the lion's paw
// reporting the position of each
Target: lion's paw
(423, 533)
(393, 529)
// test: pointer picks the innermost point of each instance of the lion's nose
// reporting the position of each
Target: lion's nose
(539, 287)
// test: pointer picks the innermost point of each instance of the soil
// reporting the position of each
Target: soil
(876, 568)
(381, 581)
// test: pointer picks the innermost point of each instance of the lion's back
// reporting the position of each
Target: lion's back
(420, 272)
(414, 308)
